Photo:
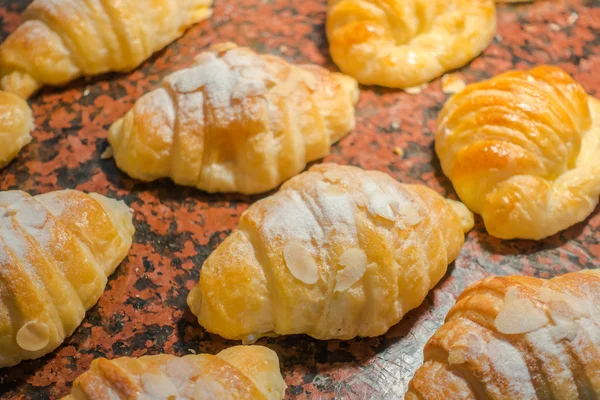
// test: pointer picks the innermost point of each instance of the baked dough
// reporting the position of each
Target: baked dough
(235, 122)
(56, 252)
(517, 338)
(62, 40)
(16, 124)
(406, 43)
(238, 373)
(338, 252)
(521, 149)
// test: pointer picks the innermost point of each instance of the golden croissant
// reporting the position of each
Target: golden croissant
(238, 373)
(406, 43)
(16, 124)
(517, 338)
(237, 121)
(56, 252)
(521, 149)
(62, 40)
(338, 252)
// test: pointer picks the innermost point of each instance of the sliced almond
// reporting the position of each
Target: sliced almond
(415, 89)
(566, 331)
(300, 263)
(457, 356)
(519, 316)
(452, 83)
(379, 204)
(333, 175)
(33, 336)
(107, 154)
(354, 261)
(595, 313)
(333, 190)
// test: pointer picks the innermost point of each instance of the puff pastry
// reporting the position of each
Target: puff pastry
(16, 124)
(56, 252)
(338, 252)
(406, 43)
(235, 122)
(62, 40)
(522, 150)
(238, 373)
(517, 338)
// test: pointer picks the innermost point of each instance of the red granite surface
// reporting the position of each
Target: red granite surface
(143, 310)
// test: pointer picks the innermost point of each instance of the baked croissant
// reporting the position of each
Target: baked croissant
(517, 338)
(521, 149)
(235, 122)
(56, 252)
(62, 40)
(406, 43)
(16, 124)
(238, 373)
(338, 252)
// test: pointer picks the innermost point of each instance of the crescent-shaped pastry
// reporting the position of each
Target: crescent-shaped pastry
(16, 124)
(337, 252)
(235, 122)
(238, 373)
(56, 252)
(62, 40)
(517, 338)
(406, 43)
(521, 149)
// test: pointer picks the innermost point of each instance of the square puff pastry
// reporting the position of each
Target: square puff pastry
(62, 40)
(337, 252)
(518, 338)
(238, 373)
(16, 124)
(56, 253)
(521, 149)
(237, 121)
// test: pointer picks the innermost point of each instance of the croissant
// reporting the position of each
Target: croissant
(56, 252)
(521, 150)
(406, 43)
(517, 338)
(235, 122)
(338, 252)
(62, 40)
(16, 124)
(238, 373)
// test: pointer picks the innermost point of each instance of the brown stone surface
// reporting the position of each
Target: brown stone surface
(143, 310)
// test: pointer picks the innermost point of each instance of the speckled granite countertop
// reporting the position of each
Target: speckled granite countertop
(143, 310)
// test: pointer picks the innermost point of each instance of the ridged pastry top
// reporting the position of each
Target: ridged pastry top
(521, 149)
(16, 124)
(517, 338)
(405, 43)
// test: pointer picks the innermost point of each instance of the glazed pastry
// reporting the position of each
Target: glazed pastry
(235, 122)
(56, 252)
(63, 40)
(338, 252)
(238, 373)
(16, 124)
(517, 338)
(406, 43)
(521, 149)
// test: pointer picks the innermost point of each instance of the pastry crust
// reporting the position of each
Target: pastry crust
(517, 338)
(238, 373)
(521, 149)
(332, 243)
(56, 252)
(235, 122)
(401, 44)
(16, 124)
(60, 41)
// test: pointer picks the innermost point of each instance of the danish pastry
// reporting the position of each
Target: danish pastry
(56, 252)
(16, 124)
(235, 122)
(521, 149)
(517, 338)
(338, 252)
(405, 43)
(63, 40)
(238, 373)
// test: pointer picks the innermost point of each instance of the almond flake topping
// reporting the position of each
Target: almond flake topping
(355, 262)
(519, 315)
(33, 336)
(300, 263)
